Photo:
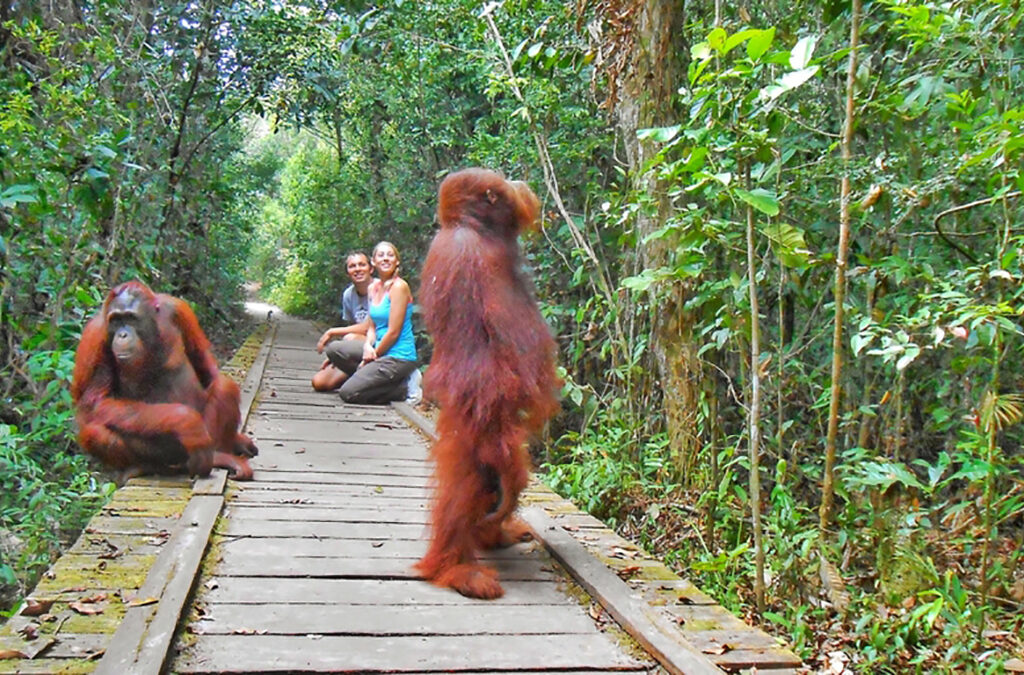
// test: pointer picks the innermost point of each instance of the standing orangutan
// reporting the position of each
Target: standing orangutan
(492, 372)
(149, 395)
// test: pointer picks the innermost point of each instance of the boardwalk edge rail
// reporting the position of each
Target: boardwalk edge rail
(143, 640)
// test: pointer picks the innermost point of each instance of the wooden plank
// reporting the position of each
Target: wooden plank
(336, 468)
(258, 590)
(343, 619)
(351, 567)
(117, 545)
(416, 516)
(269, 486)
(301, 430)
(644, 623)
(327, 653)
(142, 641)
(354, 548)
(346, 447)
(322, 478)
(65, 646)
(321, 530)
(321, 498)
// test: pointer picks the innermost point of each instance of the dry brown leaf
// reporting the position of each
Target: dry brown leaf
(29, 631)
(139, 602)
(1014, 666)
(833, 583)
(86, 608)
(718, 650)
(627, 572)
(6, 654)
(1017, 590)
(35, 607)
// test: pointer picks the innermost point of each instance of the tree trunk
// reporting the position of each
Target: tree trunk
(646, 97)
(845, 190)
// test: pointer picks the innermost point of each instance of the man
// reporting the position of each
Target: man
(355, 306)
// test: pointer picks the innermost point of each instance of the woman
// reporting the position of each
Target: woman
(378, 368)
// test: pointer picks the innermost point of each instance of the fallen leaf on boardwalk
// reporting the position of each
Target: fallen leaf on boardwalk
(377, 544)
(595, 611)
(139, 602)
(74, 589)
(273, 393)
(297, 500)
(249, 631)
(279, 445)
(300, 451)
(113, 553)
(86, 608)
(1014, 666)
(378, 489)
(627, 572)
(29, 631)
(211, 584)
(34, 607)
(618, 552)
(717, 650)
(6, 654)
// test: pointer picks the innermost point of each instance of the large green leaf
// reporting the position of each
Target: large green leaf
(761, 199)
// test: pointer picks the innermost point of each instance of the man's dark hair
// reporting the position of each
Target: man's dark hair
(356, 252)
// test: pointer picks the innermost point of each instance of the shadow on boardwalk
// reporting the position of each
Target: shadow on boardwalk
(308, 568)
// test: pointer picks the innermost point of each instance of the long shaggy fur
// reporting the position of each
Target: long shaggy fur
(492, 372)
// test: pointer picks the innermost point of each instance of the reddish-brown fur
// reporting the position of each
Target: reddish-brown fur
(492, 372)
(167, 409)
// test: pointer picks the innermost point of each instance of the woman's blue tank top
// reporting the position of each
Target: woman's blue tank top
(405, 347)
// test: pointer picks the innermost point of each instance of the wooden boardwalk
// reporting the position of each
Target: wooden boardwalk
(308, 567)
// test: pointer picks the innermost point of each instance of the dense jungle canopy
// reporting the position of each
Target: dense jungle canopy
(781, 253)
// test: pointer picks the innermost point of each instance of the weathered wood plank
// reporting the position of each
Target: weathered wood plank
(300, 430)
(343, 447)
(342, 619)
(334, 468)
(258, 590)
(240, 653)
(284, 566)
(357, 548)
(320, 530)
(323, 478)
(362, 498)
(270, 486)
(414, 516)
